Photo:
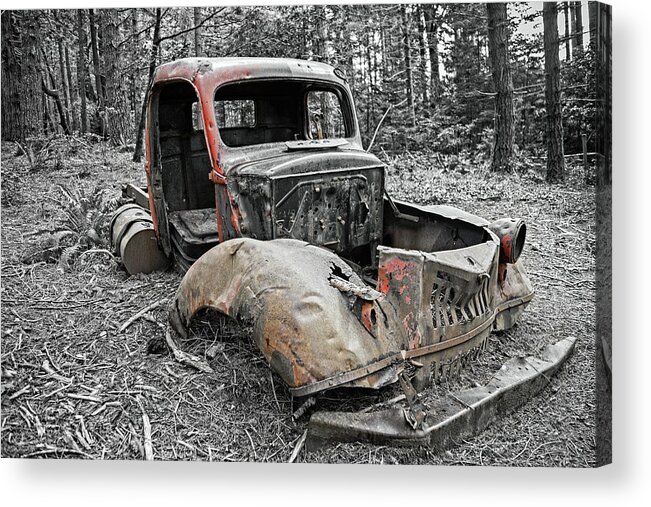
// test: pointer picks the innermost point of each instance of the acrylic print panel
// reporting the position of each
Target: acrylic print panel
(308, 233)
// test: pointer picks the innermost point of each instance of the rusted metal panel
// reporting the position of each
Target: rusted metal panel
(461, 414)
(301, 323)
(317, 336)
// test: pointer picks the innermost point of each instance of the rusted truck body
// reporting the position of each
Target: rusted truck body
(259, 187)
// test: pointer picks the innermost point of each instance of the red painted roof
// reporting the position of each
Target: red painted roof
(232, 69)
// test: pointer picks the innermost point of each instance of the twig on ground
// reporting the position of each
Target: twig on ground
(141, 313)
(49, 370)
(299, 446)
(55, 450)
(146, 428)
(273, 389)
(84, 397)
(255, 454)
(184, 357)
(24, 390)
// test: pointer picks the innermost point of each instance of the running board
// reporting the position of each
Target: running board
(461, 414)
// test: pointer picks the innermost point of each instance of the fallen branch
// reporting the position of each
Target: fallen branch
(57, 450)
(24, 390)
(84, 397)
(141, 313)
(50, 371)
(146, 428)
(184, 357)
(299, 446)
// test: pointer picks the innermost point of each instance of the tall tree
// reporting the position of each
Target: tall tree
(566, 17)
(592, 23)
(99, 88)
(115, 110)
(198, 42)
(53, 92)
(406, 47)
(577, 28)
(498, 50)
(134, 39)
(81, 69)
(22, 114)
(153, 56)
(72, 90)
(62, 68)
(432, 28)
(554, 129)
(422, 50)
(12, 105)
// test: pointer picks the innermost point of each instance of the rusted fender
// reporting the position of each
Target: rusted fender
(303, 324)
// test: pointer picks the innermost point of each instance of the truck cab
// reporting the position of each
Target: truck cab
(261, 148)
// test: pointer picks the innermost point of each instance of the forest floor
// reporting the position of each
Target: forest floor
(75, 386)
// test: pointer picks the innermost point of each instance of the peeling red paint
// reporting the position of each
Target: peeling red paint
(507, 246)
(394, 269)
(367, 308)
(410, 323)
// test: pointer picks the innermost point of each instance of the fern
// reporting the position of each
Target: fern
(86, 215)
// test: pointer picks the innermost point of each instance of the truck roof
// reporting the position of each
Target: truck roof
(235, 69)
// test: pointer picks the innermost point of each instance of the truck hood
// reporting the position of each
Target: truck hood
(277, 162)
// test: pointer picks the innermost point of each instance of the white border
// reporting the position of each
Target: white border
(51, 483)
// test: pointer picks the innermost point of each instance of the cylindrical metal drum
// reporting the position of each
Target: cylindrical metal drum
(133, 238)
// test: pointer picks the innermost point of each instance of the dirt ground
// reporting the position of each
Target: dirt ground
(75, 386)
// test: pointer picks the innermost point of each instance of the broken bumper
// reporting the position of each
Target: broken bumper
(461, 414)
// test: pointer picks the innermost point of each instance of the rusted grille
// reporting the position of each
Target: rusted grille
(452, 305)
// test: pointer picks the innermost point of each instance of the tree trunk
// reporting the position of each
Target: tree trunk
(554, 127)
(22, 111)
(116, 113)
(57, 101)
(13, 128)
(566, 17)
(321, 34)
(198, 42)
(81, 69)
(46, 71)
(498, 51)
(133, 80)
(433, 40)
(592, 21)
(64, 79)
(96, 69)
(408, 70)
(137, 152)
(62, 69)
(72, 91)
(578, 28)
(370, 113)
(422, 46)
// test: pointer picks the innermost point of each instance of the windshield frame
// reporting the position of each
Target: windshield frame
(342, 93)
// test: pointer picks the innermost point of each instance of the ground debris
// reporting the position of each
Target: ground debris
(78, 383)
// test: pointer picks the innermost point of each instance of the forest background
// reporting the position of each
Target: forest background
(495, 82)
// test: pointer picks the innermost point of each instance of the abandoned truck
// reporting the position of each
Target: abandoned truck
(258, 186)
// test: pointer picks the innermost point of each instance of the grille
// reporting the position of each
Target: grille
(456, 303)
